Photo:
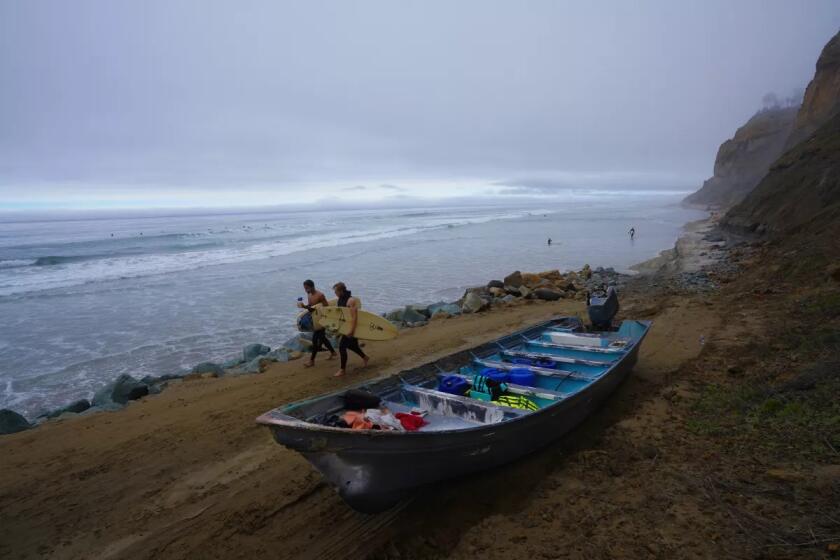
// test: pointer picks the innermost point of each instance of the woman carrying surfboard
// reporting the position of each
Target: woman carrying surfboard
(348, 341)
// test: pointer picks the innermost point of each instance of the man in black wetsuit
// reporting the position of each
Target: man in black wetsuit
(319, 335)
(348, 342)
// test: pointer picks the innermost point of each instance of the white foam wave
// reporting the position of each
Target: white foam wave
(28, 279)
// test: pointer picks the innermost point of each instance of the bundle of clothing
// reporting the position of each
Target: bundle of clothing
(364, 412)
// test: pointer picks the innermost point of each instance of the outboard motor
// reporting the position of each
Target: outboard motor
(602, 309)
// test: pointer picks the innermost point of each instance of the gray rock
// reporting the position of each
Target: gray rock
(508, 298)
(513, 280)
(125, 388)
(524, 291)
(128, 389)
(449, 308)
(395, 316)
(411, 315)
(419, 308)
(495, 284)
(279, 355)
(297, 344)
(258, 364)
(232, 363)
(107, 407)
(546, 294)
(74, 407)
(208, 367)
(418, 324)
(11, 422)
(253, 350)
(473, 303)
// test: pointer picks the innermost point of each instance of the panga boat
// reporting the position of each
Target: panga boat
(552, 375)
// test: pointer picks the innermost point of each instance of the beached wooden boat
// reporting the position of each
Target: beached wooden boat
(571, 373)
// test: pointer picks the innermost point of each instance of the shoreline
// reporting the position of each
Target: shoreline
(187, 472)
(552, 284)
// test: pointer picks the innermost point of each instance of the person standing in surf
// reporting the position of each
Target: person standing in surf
(348, 342)
(319, 335)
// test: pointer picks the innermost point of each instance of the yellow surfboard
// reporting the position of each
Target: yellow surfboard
(368, 325)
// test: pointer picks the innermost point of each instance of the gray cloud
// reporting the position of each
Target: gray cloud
(160, 98)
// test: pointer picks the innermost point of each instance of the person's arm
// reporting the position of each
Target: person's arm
(354, 314)
(324, 301)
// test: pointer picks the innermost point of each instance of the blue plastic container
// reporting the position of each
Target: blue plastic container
(495, 374)
(453, 385)
(522, 376)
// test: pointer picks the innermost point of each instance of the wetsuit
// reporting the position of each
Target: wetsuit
(319, 337)
(347, 342)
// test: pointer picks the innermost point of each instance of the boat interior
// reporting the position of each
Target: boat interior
(495, 382)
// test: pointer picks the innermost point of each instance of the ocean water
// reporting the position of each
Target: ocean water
(84, 300)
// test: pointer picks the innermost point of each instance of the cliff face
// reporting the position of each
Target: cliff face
(743, 160)
(822, 98)
(801, 192)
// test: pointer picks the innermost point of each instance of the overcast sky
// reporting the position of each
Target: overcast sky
(173, 103)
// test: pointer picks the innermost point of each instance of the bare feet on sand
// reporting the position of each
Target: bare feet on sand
(339, 373)
(308, 364)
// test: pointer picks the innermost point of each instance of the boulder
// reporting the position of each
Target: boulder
(232, 363)
(11, 422)
(508, 299)
(417, 324)
(531, 280)
(449, 308)
(395, 316)
(209, 367)
(586, 272)
(125, 388)
(524, 291)
(513, 280)
(258, 364)
(253, 350)
(418, 308)
(411, 315)
(278, 355)
(546, 294)
(294, 355)
(296, 344)
(498, 292)
(552, 275)
(473, 303)
(495, 284)
(74, 407)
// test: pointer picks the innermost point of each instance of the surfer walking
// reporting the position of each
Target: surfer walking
(348, 341)
(319, 335)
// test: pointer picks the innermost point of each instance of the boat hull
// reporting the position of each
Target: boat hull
(373, 470)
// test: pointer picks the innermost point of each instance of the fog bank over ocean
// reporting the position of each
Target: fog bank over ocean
(88, 298)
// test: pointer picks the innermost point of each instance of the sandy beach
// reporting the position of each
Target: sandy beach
(187, 473)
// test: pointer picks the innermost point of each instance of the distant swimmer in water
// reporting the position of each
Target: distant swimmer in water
(549, 242)
(632, 233)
